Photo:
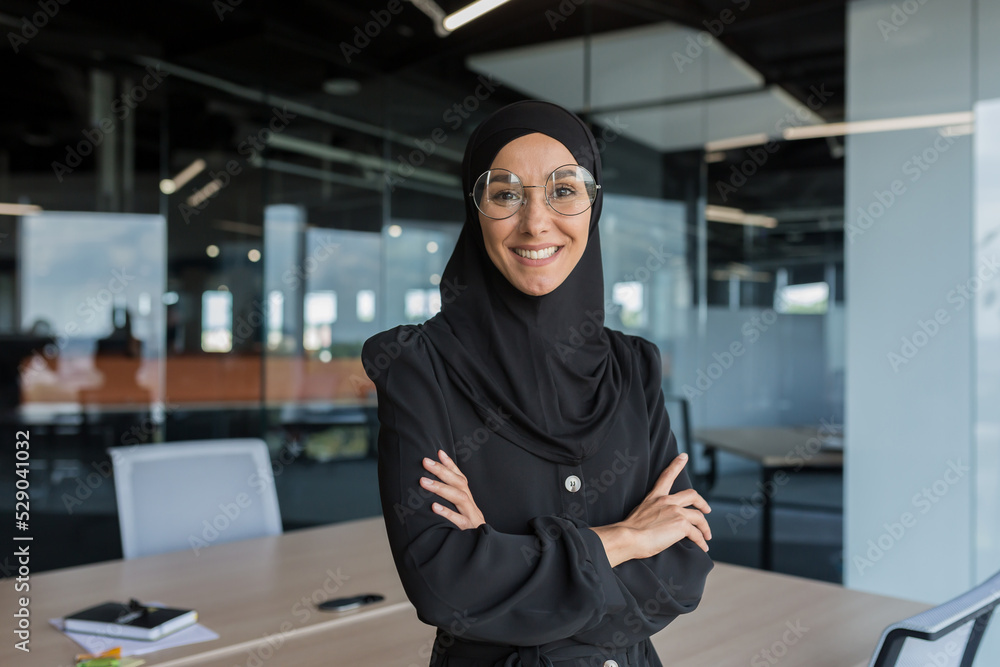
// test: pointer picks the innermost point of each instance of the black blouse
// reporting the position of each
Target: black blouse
(533, 585)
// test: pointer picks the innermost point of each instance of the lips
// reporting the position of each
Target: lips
(541, 256)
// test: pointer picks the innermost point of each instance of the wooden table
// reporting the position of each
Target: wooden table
(750, 617)
(778, 450)
(252, 593)
(244, 591)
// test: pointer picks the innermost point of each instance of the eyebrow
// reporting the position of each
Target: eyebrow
(505, 177)
(569, 171)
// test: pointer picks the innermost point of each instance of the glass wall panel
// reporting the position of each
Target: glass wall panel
(987, 331)
(93, 282)
(280, 194)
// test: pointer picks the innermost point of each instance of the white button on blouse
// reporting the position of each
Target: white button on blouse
(610, 663)
(573, 483)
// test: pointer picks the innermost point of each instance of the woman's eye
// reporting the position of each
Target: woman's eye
(562, 191)
(506, 197)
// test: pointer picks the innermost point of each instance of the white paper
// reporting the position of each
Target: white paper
(192, 634)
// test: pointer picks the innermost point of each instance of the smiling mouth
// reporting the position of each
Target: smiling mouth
(544, 253)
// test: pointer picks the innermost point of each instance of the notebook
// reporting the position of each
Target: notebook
(130, 620)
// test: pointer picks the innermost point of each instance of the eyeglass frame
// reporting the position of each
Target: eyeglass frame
(597, 186)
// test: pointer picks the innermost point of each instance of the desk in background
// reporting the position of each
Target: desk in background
(248, 591)
(777, 449)
(244, 591)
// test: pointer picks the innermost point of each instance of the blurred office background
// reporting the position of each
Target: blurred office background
(206, 208)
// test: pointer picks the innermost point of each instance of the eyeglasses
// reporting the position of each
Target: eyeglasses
(569, 190)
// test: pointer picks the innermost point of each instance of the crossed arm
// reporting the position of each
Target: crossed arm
(600, 585)
(659, 521)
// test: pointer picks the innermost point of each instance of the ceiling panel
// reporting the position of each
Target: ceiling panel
(643, 81)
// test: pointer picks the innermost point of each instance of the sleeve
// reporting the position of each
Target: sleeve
(521, 590)
(660, 588)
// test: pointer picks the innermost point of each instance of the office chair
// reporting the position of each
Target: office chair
(193, 494)
(679, 410)
(946, 636)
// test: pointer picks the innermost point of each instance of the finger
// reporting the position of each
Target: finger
(695, 536)
(456, 518)
(450, 465)
(690, 498)
(448, 462)
(457, 496)
(446, 474)
(698, 520)
(669, 475)
(445, 465)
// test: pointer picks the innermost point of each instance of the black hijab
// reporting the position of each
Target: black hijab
(545, 363)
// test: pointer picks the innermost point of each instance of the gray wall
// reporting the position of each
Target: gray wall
(788, 372)
(987, 427)
(912, 447)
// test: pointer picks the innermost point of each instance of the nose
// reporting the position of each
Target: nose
(534, 215)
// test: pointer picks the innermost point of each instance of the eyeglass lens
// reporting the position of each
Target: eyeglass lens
(569, 190)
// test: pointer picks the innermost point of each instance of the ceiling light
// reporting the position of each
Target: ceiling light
(737, 216)
(19, 209)
(737, 142)
(434, 13)
(957, 130)
(209, 189)
(470, 13)
(953, 125)
(238, 227)
(878, 125)
(169, 186)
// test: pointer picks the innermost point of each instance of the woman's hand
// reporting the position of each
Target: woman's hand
(661, 520)
(452, 486)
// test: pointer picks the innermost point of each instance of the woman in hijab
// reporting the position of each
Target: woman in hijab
(534, 500)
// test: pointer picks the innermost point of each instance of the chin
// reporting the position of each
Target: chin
(536, 289)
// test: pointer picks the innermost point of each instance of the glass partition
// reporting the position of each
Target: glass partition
(222, 228)
(94, 283)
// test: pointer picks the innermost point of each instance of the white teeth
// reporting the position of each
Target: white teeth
(536, 254)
